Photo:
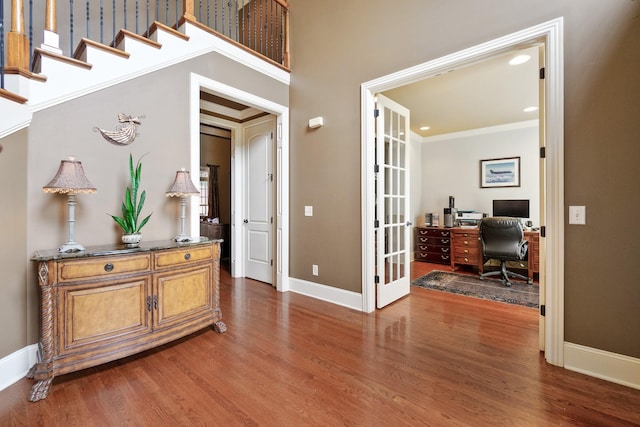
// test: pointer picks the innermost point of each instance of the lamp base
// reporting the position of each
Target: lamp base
(182, 238)
(71, 247)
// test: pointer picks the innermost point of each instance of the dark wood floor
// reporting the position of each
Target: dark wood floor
(288, 360)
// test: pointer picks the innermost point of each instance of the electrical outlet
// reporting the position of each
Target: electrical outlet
(577, 215)
(314, 270)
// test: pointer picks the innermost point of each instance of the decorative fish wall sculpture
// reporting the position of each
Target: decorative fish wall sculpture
(125, 133)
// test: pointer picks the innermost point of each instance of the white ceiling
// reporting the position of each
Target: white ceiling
(487, 93)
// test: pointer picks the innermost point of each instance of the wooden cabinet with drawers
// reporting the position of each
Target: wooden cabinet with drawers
(106, 303)
(433, 244)
(466, 248)
(533, 252)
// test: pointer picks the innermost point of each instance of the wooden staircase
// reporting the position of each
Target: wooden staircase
(55, 78)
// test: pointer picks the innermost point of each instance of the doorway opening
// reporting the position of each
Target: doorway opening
(222, 100)
(550, 35)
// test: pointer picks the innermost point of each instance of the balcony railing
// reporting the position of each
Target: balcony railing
(260, 26)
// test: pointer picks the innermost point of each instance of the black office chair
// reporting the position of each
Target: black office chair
(502, 238)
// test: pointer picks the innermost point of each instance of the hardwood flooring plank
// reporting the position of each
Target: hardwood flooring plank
(430, 358)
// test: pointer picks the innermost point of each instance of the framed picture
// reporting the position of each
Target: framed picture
(500, 172)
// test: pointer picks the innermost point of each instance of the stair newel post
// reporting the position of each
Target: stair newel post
(51, 40)
(189, 10)
(17, 40)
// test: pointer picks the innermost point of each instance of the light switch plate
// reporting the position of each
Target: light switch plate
(577, 215)
(308, 211)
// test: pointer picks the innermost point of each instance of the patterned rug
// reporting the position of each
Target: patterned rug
(492, 289)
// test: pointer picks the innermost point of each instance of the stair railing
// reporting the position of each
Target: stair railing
(260, 26)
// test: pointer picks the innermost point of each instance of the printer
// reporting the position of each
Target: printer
(469, 218)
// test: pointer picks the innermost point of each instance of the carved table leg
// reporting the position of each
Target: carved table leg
(40, 390)
(42, 371)
(219, 327)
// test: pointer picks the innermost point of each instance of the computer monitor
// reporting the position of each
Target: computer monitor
(512, 208)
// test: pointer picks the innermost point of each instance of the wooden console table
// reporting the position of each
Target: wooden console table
(109, 302)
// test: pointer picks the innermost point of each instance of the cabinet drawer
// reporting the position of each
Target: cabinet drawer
(440, 241)
(432, 232)
(174, 257)
(102, 267)
(439, 258)
(470, 259)
(434, 249)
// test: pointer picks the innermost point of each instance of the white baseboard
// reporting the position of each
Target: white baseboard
(15, 366)
(613, 367)
(330, 294)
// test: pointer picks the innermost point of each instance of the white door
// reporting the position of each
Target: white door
(258, 220)
(392, 202)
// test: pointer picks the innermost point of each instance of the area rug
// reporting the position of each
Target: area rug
(473, 286)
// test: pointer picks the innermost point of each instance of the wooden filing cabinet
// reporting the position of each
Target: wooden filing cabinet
(107, 303)
(466, 247)
(433, 244)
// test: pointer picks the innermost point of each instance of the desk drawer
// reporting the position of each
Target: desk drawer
(434, 249)
(433, 257)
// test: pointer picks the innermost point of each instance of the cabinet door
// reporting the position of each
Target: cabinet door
(183, 296)
(97, 314)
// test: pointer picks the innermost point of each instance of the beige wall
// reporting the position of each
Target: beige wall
(337, 45)
(13, 267)
(34, 220)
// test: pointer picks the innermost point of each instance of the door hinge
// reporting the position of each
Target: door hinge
(376, 279)
(542, 73)
(376, 168)
(271, 263)
(271, 220)
(272, 136)
(543, 152)
(376, 223)
(543, 231)
(543, 310)
(376, 113)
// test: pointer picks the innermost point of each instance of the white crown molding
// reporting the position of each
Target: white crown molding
(482, 131)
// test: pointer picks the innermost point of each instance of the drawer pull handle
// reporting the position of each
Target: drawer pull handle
(466, 242)
(466, 259)
(466, 251)
(108, 267)
(187, 256)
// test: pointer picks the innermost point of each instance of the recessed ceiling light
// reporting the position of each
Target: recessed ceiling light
(520, 59)
(425, 128)
(530, 109)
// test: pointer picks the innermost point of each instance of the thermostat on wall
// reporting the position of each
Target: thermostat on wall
(316, 122)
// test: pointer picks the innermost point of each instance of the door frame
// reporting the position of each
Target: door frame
(281, 112)
(550, 34)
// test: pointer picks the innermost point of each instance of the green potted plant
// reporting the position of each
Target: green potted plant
(132, 206)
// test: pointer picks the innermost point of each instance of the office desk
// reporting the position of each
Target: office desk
(466, 249)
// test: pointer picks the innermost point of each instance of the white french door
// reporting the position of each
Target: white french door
(392, 202)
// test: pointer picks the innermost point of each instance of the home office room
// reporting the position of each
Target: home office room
(475, 154)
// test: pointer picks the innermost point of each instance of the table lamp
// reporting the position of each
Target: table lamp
(71, 180)
(182, 187)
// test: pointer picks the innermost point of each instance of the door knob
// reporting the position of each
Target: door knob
(246, 221)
